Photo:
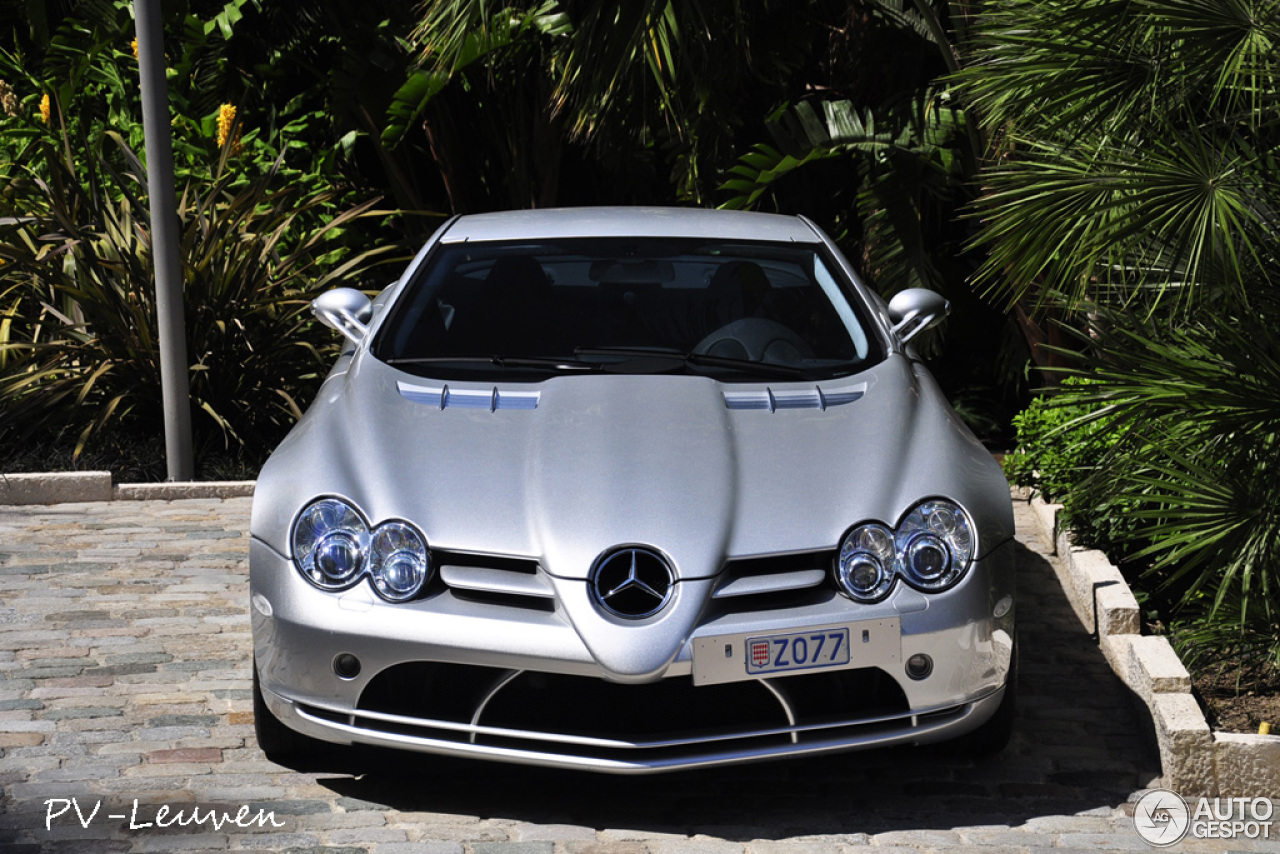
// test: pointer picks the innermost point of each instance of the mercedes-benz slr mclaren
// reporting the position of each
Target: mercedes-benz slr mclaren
(631, 490)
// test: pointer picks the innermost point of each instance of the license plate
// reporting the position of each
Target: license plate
(752, 655)
(799, 651)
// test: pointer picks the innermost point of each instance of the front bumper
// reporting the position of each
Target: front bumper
(497, 680)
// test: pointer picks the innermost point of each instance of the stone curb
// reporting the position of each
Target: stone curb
(1196, 761)
(189, 489)
(75, 487)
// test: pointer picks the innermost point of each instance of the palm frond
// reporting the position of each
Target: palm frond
(1184, 218)
(453, 36)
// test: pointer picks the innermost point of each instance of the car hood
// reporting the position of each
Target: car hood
(568, 468)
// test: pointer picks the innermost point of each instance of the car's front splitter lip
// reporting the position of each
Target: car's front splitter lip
(911, 728)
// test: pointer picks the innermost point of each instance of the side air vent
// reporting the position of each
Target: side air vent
(492, 399)
(772, 401)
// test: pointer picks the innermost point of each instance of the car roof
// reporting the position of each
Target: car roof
(629, 222)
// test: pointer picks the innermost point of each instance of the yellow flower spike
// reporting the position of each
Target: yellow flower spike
(226, 118)
(134, 44)
(46, 111)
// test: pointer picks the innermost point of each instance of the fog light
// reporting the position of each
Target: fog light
(347, 666)
(919, 666)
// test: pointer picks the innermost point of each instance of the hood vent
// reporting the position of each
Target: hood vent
(443, 397)
(815, 398)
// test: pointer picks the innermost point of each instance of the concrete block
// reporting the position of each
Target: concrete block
(1186, 745)
(1118, 612)
(55, 488)
(1099, 594)
(184, 490)
(1047, 516)
(1073, 584)
(1156, 668)
(1118, 651)
(1248, 765)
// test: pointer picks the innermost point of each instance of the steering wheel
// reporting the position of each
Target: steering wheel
(756, 339)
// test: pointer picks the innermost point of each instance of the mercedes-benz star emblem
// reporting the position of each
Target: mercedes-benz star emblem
(632, 582)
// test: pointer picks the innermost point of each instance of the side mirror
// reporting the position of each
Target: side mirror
(346, 310)
(916, 309)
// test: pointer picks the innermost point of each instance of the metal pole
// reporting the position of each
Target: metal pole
(175, 386)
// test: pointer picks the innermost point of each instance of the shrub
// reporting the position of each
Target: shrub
(1057, 442)
(78, 352)
(1064, 442)
(1167, 457)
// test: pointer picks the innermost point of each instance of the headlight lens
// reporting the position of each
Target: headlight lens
(329, 543)
(927, 559)
(931, 549)
(333, 548)
(865, 570)
(399, 564)
(936, 543)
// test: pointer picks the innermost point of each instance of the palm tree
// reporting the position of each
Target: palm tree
(1133, 178)
(672, 85)
(1135, 149)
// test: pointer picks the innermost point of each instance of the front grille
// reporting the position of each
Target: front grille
(743, 585)
(577, 716)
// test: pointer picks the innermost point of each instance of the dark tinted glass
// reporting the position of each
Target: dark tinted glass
(516, 308)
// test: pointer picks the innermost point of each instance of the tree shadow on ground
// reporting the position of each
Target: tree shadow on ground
(1080, 744)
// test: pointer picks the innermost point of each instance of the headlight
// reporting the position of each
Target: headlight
(329, 543)
(399, 563)
(935, 542)
(865, 569)
(931, 549)
(333, 548)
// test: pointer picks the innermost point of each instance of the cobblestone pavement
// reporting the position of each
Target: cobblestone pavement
(124, 683)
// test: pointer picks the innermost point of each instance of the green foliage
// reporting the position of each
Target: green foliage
(904, 161)
(86, 67)
(1136, 155)
(1132, 177)
(1249, 651)
(78, 353)
(1203, 405)
(1065, 442)
(457, 38)
(664, 84)
(1059, 441)
(1167, 458)
(268, 220)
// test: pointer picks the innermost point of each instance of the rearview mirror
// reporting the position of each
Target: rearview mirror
(346, 310)
(916, 309)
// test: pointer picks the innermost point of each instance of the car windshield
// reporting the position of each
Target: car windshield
(735, 311)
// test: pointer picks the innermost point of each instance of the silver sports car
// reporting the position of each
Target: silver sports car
(631, 490)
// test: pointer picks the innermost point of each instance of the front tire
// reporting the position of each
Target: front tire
(994, 735)
(278, 742)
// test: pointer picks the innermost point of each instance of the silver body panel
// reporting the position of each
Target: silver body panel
(555, 473)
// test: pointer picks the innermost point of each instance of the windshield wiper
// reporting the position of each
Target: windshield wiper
(563, 363)
(701, 359)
